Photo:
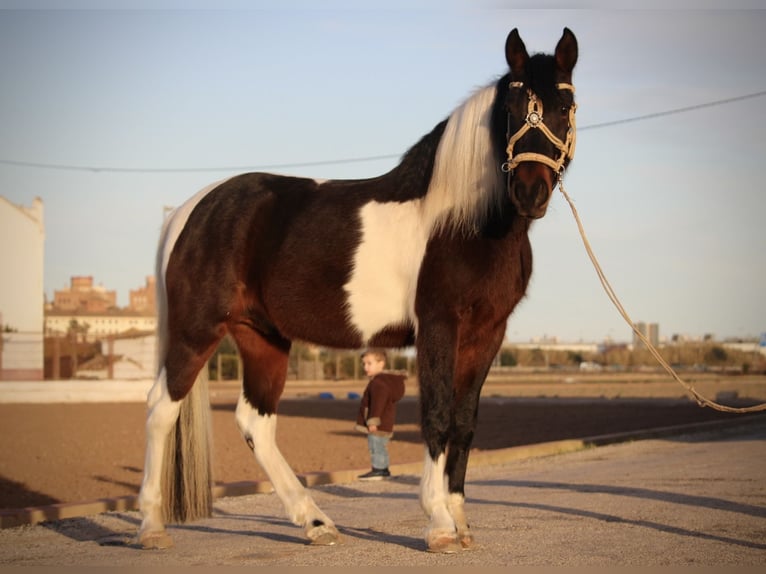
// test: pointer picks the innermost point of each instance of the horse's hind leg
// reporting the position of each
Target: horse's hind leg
(265, 366)
(164, 405)
(163, 413)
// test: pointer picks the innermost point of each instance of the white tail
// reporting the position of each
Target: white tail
(187, 469)
(186, 463)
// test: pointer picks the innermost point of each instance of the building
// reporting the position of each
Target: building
(651, 331)
(22, 298)
(83, 295)
(553, 344)
(143, 299)
(122, 359)
(85, 314)
(93, 326)
(91, 311)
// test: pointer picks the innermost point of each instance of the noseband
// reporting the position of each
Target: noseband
(534, 120)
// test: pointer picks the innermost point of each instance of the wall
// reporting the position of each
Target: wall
(22, 237)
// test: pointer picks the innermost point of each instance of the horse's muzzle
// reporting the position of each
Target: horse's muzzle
(531, 189)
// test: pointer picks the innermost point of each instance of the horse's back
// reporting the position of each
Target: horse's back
(223, 218)
(265, 249)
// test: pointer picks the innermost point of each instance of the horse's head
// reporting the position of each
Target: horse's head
(540, 109)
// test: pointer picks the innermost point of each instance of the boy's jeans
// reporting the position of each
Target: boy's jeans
(378, 450)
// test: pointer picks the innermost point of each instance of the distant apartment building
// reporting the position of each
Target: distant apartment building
(22, 294)
(651, 331)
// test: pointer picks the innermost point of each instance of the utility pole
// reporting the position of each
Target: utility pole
(56, 374)
(110, 358)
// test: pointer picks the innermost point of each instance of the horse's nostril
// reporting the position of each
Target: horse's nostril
(531, 198)
(542, 192)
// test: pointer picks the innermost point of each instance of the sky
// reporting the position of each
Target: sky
(111, 115)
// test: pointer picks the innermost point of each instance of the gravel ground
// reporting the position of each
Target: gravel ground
(694, 500)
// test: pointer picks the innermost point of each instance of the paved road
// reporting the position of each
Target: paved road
(687, 500)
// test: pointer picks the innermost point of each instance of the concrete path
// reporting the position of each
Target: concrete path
(687, 500)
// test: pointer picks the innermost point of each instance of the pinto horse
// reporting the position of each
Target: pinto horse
(435, 254)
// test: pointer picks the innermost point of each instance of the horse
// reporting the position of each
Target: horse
(433, 254)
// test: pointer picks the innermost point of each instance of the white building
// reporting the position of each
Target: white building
(22, 296)
(131, 358)
(99, 325)
(136, 358)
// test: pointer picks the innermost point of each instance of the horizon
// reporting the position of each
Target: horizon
(548, 339)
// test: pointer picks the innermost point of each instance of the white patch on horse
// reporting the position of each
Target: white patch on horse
(434, 498)
(163, 413)
(381, 290)
(260, 432)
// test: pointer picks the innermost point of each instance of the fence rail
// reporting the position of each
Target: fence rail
(34, 356)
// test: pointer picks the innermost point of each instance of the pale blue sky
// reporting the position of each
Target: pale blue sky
(673, 205)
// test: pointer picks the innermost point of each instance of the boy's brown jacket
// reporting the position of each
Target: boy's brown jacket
(378, 406)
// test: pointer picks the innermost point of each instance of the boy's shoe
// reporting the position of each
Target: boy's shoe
(376, 474)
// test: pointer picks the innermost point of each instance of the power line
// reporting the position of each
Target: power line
(194, 169)
(673, 111)
(61, 167)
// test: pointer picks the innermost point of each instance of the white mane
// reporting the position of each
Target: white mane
(466, 174)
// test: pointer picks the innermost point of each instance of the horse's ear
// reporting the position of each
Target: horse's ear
(566, 52)
(516, 54)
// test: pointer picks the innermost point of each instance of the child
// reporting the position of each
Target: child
(377, 411)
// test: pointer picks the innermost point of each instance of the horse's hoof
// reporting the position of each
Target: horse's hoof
(324, 535)
(155, 540)
(444, 544)
(466, 541)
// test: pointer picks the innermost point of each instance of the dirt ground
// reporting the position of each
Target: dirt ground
(53, 453)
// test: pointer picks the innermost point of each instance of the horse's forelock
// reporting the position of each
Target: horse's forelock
(541, 76)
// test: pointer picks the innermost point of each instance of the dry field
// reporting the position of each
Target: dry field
(79, 452)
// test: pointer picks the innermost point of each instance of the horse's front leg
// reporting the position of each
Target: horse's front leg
(436, 360)
(474, 359)
(461, 436)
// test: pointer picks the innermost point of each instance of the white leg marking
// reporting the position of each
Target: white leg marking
(163, 413)
(260, 430)
(440, 534)
(456, 505)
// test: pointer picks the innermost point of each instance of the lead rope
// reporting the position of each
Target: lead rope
(701, 400)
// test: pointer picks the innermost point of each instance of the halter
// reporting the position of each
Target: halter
(534, 120)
